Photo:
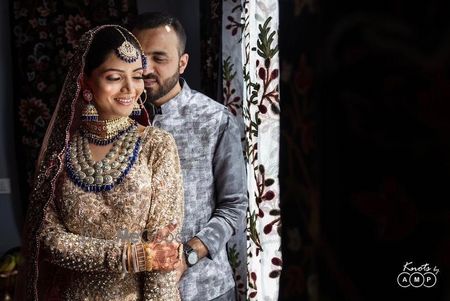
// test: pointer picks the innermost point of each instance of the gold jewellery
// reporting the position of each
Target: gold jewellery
(139, 257)
(180, 251)
(89, 112)
(139, 105)
(127, 51)
(103, 132)
(103, 175)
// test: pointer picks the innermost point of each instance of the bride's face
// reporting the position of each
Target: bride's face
(116, 86)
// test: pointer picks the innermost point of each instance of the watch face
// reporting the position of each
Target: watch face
(192, 257)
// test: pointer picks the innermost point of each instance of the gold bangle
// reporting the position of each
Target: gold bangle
(124, 259)
(129, 258)
(140, 254)
(134, 257)
(180, 251)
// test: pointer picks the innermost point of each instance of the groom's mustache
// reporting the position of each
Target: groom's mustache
(150, 76)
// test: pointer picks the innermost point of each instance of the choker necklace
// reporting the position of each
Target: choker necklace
(102, 175)
(103, 132)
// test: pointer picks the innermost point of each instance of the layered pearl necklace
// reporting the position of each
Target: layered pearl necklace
(102, 175)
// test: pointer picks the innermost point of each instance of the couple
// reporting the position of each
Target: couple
(101, 172)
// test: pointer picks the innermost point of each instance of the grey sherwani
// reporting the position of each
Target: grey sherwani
(209, 146)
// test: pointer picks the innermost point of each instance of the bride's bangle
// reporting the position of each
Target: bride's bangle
(129, 258)
(124, 259)
(180, 251)
(140, 257)
(135, 258)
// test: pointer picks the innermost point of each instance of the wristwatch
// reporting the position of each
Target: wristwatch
(191, 255)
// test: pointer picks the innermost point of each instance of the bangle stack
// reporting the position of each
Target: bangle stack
(136, 258)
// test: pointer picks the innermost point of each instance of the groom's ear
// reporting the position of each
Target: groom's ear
(184, 59)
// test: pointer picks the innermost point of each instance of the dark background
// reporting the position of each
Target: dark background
(365, 147)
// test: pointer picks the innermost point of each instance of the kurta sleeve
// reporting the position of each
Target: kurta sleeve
(168, 208)
(231, 191)
(77, 252)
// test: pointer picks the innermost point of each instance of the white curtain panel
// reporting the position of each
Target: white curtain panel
(251, 91)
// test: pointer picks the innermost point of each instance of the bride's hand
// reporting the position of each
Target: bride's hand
(163, 255)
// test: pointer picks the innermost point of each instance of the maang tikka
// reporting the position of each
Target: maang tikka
(127, 52)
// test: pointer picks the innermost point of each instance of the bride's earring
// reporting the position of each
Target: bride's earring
(137, 108)
(89, 112)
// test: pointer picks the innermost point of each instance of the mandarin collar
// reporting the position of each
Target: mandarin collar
(173, 104)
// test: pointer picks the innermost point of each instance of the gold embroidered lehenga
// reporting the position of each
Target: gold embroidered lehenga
(73, 239)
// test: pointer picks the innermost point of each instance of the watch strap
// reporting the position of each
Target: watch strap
(188, 250)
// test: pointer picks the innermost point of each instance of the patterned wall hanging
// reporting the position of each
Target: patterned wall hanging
(44, 34)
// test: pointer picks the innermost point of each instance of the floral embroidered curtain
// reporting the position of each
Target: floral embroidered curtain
(250, 90)
(44, 34)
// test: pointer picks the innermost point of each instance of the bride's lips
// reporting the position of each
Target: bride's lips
(126, 101)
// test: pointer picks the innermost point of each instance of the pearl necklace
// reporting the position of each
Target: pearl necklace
(102, 175)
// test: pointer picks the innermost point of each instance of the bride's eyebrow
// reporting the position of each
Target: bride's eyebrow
(120, 70)
(113, 69)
